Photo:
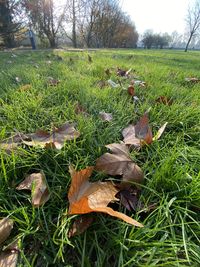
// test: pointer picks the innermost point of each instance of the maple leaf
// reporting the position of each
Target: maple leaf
(105, 116)
(85, 197)
(138, 134)
(80, 225)
(36, 182)
(119, 163)
(6, 226)
(56, 139)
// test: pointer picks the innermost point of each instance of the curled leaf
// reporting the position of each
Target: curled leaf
(56, 139)
(86, 197)
(119, 163)
(8, 258)
(80, 225)
(36, 182)
(160, 131)
(131, 90)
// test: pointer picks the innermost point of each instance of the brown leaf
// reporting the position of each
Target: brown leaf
(80, 110)
(6, 226)
(121, 72)
(129, 198)
(36, 182)
(13, 142)
(8, 258)
(164, 100)
(105, 116)
(119, 163)
(56, 139)
(86, 197)
(80, 225)
(160, 131)
(52, 82)
(131, 90)
(101, 84)
(138, 134)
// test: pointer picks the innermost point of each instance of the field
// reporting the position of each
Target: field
(30, 100)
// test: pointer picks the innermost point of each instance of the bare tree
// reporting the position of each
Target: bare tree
(45, 18)
(193, 21)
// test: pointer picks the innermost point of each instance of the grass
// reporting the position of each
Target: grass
(171, 165)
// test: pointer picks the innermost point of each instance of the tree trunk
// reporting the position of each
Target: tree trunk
(74, 25)
(52, 42)
(189, 40)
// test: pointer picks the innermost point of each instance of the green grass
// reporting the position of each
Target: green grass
(171, 236)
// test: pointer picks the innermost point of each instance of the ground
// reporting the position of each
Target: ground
(170, 236)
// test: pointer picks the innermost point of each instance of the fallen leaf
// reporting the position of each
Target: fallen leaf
(56, 139)
(101, 84)
(80, 225)
(123, 73)
(164, 100)
(113, 84)
(86, 197)
(105, 116)
(25, 87)
(13, 142)
(36, 182)
(131, 90)
(119, 163)
(80, 110)
(129, 198)
(52, 82)
(138, 134)
(8, 258)
(6, 226)
(89, 58)
(138, 83)
(192, 79)
(160, 131)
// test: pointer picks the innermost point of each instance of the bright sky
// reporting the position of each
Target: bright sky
(158, 15)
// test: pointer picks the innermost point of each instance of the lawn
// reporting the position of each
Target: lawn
(170, 193)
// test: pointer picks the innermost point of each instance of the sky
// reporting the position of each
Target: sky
(159, 15)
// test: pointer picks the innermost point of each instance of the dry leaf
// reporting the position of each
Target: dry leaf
(113, 84)
(80, 225)
(105, 116)
(8, 258)
(119, 163)
(36, 182)
(101, 84)
(131, 90)
(80, 110)
(52, 82)
(164, 100)
(56, 139)
(13, 142)
(160, 131)
(192, 79)
(138, 134)
(86, 197)
(123, 73)
(139, 83)
(129, 198)
(6, 226)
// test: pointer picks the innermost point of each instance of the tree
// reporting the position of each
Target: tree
(148, 39)
(193, 21)
(7, 25)
(45, 18)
